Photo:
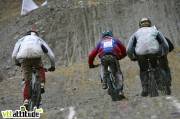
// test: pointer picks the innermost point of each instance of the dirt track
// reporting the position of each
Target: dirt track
(73, 93)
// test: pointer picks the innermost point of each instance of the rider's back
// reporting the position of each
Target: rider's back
(146, 41)
(30, 47)
(111, 45)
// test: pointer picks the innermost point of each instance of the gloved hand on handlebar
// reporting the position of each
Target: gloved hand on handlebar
(52, 68)
(91, 66)
(134, 59)
(17, 63)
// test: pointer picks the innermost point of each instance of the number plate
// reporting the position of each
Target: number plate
(107, 44)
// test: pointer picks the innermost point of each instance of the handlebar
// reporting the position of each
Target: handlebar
(45, 69)
(94, 66)
(97, 65)
(49, 69)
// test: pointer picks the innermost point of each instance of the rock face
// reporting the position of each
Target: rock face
(72, 27)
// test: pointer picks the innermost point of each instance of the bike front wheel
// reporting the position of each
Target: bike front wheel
(35, 93)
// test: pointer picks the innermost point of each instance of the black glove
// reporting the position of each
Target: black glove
(18, 64)
(91, 66)
(134, 59)
(161, 52)
(52, 68)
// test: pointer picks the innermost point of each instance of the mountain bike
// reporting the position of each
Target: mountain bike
(112, 89)
(35, 90)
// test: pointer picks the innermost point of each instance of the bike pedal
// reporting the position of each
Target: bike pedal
(42, 90)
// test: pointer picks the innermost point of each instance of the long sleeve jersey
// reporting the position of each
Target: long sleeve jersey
(32, 46)
(146, 40)
(108, 45)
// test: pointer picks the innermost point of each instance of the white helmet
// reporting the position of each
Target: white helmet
(145, 22)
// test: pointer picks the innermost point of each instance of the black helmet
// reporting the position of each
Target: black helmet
(29, 32)
(107, 33)
(145, 22)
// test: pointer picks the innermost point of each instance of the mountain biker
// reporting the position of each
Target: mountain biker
(146, 42)
(110, 50)
(28, 52)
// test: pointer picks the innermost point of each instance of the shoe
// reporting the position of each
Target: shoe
(42, 88)
(168, 89)
(26, 101)
(104, 86)
(121, 94)
(144, 92)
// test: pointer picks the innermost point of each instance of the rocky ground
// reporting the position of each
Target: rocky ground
(74, 92)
